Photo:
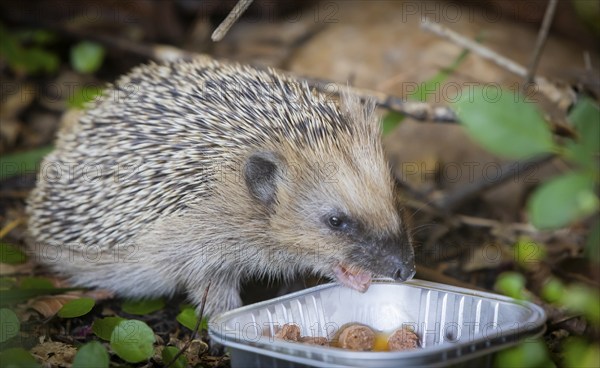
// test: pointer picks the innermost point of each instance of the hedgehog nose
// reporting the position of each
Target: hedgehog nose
(404, 273)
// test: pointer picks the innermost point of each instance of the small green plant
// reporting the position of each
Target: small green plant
(423, 91)
(10, 254)
(23, 162)
(529, 354)
(580, 353)
(30, 51)
(27, 52)
(91, 355)
(76, 308)
(189, 319)
(509, 126)
(18, 358)
(133, 341)
(87, 57)
(83, 95)
(512, 284)
(103, 327)
(9, 324)
(143, 307)
(169, 352)
(36, 283)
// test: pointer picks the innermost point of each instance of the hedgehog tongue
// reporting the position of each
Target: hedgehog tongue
(353, 277)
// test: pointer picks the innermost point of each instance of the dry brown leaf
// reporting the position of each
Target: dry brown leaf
(14, 103)
(22, 269)
(49, 305)
(100, 294)
(6, 269)
(55, 354)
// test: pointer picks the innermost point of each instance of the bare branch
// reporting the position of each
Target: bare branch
(549, 90)
(541, 40)
(196, 328)
(232, 17)
(454, 198)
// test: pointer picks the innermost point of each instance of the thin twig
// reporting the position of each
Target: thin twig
(10, 226)
(508, 171)
(483, 222)
(587, 61)
(196, 328)
(541, 40)
(415, 109)
(549, 90)
(474, 46)
(163, 53)
(232, 17)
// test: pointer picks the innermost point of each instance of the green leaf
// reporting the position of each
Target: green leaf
(91, 355)
(553, 290)
(9, 324)
(578, 153)
(582, 299)
(530, 354)
(19, 295)
(188, 318)
(34, 60)
(17, 358)
(11, 255)
(9, 46)
(133, 341)
(562, 200)
(7, 283)
(183, 306)
(503, 123)
(77, 308)
(390, 121)
(143, 307)
(36, 283)
(393, 119)
(511, 284)
(82, 96)
(580, 353)
(26, 60)
(22, 163)
(36, 36)
(37, 59)
(585, 116)
(588, 14)
(104, 327)
(528, 252)
(169, 353)
(87, 57)
(431, 85)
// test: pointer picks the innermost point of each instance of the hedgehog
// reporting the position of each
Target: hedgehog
(190, 171)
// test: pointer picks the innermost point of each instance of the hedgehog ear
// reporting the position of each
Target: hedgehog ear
(261, 174)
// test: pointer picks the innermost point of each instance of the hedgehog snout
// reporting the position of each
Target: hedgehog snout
(393, 257)
(404, 272)
(399, 268)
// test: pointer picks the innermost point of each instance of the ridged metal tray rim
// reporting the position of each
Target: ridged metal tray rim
(441, 354)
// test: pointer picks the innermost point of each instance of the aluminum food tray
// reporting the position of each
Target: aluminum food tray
(456, 326)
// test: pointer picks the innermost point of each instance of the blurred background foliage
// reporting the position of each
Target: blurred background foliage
(553, 262)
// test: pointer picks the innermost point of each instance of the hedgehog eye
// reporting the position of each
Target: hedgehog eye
(335, 222)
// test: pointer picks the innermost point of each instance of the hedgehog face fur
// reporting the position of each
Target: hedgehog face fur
(238, 173)
(346, 222)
